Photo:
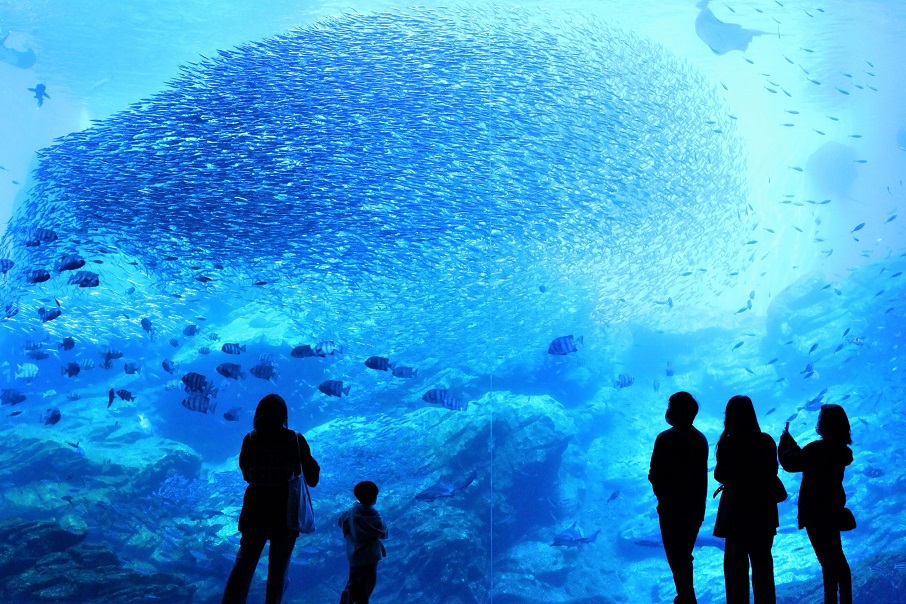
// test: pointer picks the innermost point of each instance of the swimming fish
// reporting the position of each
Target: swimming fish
(378, 363)
(445, 488)
(50, 416)
(564, 345)
(571, 537)
(40, 91)
(232, 348)
(334, 388)
(302, 352)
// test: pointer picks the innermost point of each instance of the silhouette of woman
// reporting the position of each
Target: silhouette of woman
(271, 454)
(747, 515)
(821, 497)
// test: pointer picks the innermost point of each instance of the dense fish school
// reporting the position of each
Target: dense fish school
(372, 165)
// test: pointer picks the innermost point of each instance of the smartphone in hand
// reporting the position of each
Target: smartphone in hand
(787, 428)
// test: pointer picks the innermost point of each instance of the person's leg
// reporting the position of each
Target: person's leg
(763, 569)
(356, 586)
(237, 587)
(828, 548)
(736, 570)
(277, 564)
(679, 539)
(369, 580)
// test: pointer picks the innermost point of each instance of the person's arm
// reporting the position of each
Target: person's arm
(722, 471)
(245, 458)
(790, 454)
(310, 468)
(655, 471)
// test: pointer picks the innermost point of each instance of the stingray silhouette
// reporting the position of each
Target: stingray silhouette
(18, 58)
(719, 36)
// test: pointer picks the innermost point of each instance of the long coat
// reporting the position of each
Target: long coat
(746, 466)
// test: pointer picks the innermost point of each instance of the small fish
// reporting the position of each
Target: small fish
(669, 370)
(174, 342)
(146, 325)
(749, 370)
(328, 347)
(404, 372)
(564, 345)
(859, 227)
(232, 415)
(232, 348)
(378, 363)
(190, 330)
(264, 371)
(169, 366)
(813, 348)
(49, 315)
(14, 414)
(40, 91)
(125, 395)
(50, 416)
(67, 344)
(204, 350)
(442, 397)
(443, 489)
(613, 496)
(70, 262)
(571, 537)
(11, 396)
(70, 369)
(198, 401)
(738, 345)
(230, 370)
(302, 352)
(334, 388)
(84, 279)
(195, 382)
(770, 411)
(5, 265)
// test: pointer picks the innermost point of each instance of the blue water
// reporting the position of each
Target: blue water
(708, 195)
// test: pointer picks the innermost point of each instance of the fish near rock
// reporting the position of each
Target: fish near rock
(50, 416)
(334, 388)
(564, 345)
(442, 397)
(11, 396)
(571, 537)
(445, 489)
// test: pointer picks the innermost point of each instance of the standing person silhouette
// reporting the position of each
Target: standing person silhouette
(679, 477)
(821, 496)
(747, 515)
(271, 455)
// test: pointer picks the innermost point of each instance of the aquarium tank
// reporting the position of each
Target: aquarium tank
(475, 247)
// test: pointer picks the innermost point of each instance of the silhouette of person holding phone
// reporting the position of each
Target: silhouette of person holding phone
(747, 516)
(679, 477)
(822, 501)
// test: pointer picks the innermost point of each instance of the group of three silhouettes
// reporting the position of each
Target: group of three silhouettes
(747, 468)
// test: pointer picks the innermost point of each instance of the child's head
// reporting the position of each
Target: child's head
(366, 492)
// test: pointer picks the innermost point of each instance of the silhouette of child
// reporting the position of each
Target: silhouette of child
(363, 529)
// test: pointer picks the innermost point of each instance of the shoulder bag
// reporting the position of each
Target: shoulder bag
(300, 515)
